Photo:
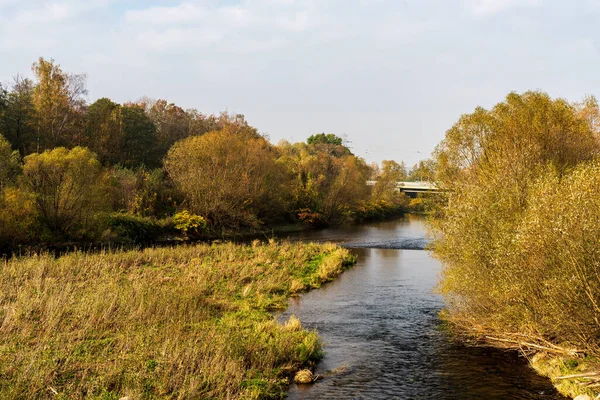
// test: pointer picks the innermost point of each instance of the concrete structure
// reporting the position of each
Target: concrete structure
(412, 188)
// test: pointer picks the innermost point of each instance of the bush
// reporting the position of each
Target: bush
(137, 229)
(17, 217)
(189, 223)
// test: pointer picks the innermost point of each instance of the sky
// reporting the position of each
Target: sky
(390, 76)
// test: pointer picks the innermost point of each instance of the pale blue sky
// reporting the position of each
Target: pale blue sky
(391, 75)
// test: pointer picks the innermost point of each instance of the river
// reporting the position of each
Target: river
(381, 331)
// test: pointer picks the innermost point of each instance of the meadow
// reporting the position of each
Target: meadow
(178, 323)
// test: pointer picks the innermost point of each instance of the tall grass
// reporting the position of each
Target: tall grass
(183, 323)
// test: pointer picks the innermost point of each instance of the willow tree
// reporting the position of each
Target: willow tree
(227, 176)
(67, 186)
(489, 162)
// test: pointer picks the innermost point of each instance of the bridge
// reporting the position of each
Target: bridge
(413, 188)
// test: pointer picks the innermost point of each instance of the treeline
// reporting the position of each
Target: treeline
(72, 171)
(518, 236)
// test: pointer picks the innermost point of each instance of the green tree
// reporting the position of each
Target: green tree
(139, 138)
(329, 143)
(68, 189)
(142, 192)
(104, 130)
(18, 122)
(322, 138)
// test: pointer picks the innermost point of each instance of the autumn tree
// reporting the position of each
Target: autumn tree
(326, 185)
(68, 189)
(229, 176)
(386, 183)
(424, 170)
(489, 162)
(172, 123)
(58, 98)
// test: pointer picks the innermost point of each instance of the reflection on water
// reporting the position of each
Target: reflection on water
(406, 233)
(379, 321)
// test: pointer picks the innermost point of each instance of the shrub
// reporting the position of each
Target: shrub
(68, 187)
(17, 217)
(137, 229)
(189, 223)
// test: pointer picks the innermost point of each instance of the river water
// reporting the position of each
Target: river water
(380, 326)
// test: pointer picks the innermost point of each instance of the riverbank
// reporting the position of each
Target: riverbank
(572, 376)
(131, 233)
(184, 322)
(572, 371)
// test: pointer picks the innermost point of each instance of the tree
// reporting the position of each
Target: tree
(490, 161)
(329, 143)
(142, 192)
(138, 146)
(322, 138)
(68, 189)
(386, 182)
(10, 165)
(58, 98)
(227, 177)
(424, 170)
(172, 124)
(326, 186)
(18, 122)
(104, 130)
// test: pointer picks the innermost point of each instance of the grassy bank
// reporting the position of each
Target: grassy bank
(571, 375)
(182, 323)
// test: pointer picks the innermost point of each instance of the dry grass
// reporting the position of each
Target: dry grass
(182, 323)
(558, 367)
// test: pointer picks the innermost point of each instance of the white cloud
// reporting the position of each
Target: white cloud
(490, 7)
(176, 39)
(182, 13)
(53, 12)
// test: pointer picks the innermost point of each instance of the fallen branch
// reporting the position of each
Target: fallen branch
(552, 349)
(585, 375)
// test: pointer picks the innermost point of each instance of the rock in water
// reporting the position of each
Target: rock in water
(303, 376)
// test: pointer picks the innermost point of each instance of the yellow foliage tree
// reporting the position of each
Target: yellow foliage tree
(68, 189)
(227, 177)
